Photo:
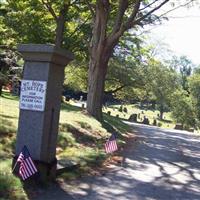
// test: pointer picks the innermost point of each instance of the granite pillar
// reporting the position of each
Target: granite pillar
(38, 129)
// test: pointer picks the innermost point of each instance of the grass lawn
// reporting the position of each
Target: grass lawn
(167, 122)
(81, 138)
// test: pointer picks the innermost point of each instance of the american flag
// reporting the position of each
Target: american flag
(27, 167)
(111, 144)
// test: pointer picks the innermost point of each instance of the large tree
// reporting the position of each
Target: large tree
(162, 82)
(111, 19)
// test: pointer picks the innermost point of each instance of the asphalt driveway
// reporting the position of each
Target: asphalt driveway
(165, 164)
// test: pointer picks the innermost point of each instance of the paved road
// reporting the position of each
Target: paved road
(165, 164)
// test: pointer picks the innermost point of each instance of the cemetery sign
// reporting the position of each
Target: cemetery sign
(32, 95)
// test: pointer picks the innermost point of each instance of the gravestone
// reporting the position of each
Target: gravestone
(133, 118)
(40, 100)
(154, 122)
(145, 120)
(178, 127)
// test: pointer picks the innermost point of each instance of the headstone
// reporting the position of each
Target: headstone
(40, 100)
(178, 127)
(81, 98)
(146, 121)
(133, 118)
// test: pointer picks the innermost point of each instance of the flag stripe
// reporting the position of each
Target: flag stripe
(22, 172)
(111, 145)
(32, 164)
(27, 167)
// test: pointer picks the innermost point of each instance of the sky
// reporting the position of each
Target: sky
(181, 33)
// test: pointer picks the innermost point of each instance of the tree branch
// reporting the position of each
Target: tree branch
(148, 5)
(182, 5)
(149, 13)
(79, 27)
(49, 7)
(123, 5)
(127, 25)
(91, 7)
(116, 90)
(112, 39)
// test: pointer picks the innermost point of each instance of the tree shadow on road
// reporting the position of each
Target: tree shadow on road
(165, 165)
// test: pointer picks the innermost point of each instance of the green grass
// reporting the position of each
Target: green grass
(81, 139)
(167, 122)
(11, 187)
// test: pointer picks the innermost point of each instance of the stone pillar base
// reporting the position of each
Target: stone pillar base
(46, 171)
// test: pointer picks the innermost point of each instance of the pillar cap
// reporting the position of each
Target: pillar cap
(45, 53)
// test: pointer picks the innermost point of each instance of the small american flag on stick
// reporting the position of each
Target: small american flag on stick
(111, 144)
(27, 167)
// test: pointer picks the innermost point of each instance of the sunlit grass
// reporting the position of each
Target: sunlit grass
(167, 121)
(11, 187)
(81, 138)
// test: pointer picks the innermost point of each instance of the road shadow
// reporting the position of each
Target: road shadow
(164, 165)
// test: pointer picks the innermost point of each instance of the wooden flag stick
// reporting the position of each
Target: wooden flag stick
(14, 167)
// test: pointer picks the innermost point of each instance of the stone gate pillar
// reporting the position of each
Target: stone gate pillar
(40, 101)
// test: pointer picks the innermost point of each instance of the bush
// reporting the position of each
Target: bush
(183, 110)
(159, 124)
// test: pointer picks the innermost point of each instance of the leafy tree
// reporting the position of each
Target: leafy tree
(194, 83)
(125, 68)
(161, 81)
(26, 22)
(111, 20)
(184, 65)
(76, 77)
(8, 67)
(183, 110)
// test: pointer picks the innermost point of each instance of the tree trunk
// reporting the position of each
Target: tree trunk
(161, 111)
(1, 87)
(59, 30)
(96, 82)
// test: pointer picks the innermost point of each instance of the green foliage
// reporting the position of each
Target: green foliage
(183, 109)
(125, 70)
(194, 83)
(28, 21)
(161, 81)
(76, 77)
(184, 65)
(11, 187)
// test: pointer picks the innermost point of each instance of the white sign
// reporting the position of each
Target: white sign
(32, 95)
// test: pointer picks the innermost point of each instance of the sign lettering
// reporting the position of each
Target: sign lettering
(32, 95)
